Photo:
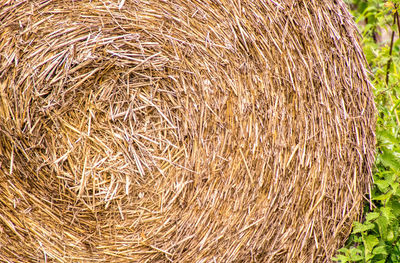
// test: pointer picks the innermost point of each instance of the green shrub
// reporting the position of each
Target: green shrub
(377, 238)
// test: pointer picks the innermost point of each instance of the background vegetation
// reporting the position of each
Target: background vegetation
(377, 237)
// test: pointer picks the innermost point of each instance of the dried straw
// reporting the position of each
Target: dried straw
(183, 131)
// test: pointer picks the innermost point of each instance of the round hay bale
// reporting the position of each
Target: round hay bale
(183, 131)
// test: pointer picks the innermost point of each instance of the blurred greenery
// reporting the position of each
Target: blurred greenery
(376, 239)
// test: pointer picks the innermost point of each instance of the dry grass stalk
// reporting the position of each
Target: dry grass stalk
(184, 131)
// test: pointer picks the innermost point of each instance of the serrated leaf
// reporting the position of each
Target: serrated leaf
(344, 250)
(377, 235)
(389, 159)
(382, 185)
(382, 223)
(383, 196)
(372, 216)
(359, 228)
(396, 208)
(380, 250)
(387, 213)
(370, 242)
(386, 137)
(341, 259)
(357, 239)
(396, 192)
(356, 255)
(390, 236)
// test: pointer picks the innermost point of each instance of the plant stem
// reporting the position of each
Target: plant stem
(391, 50)
(397, 17)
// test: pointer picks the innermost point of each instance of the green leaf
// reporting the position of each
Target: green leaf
(382, 185)
(356, 255)
(341, 259)
(370, 242)
(359, 228)
(386, 137)
(396, 192)
(389, 159)
(372, 216)
(380, 250)
(390, 236)
(384, 196)
(395, 204)
(377, 240)
(344, 250)
(382, 223)
(387, 213)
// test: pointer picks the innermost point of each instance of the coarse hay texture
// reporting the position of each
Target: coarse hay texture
(182, 131)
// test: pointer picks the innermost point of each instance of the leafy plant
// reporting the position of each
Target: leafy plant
(377, 239)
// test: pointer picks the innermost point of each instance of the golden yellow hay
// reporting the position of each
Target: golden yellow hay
(182, 131)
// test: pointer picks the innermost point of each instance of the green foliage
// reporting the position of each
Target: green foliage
(377, 239)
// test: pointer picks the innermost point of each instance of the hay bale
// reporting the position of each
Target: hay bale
(184, 131)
